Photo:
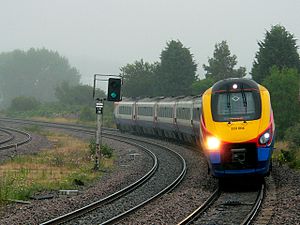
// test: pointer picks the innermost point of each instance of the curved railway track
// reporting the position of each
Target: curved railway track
(6, 136)
(15, 142)
(111, 198)
(160, 180)
(228, 207)
(223, 207)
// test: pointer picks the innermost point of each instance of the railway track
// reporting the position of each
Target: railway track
(111, 198)
(23, 138)
(223, 207)
(167, 177)
(229, 206)
(168, 171)
(5, 136)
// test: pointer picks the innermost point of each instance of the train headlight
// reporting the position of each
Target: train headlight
(213, 143)
(264, 139)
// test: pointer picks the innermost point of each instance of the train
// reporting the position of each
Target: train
(232, 122)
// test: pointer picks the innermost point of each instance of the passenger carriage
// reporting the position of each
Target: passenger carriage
(145, 116)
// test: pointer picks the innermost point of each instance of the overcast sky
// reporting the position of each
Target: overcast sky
(100, 36)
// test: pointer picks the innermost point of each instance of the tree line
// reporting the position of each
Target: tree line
(175, 74)
(44, 76)
(276, 65)
(34, 73)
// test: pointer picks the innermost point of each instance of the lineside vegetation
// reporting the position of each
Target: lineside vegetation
(276, 65)
(66, 165)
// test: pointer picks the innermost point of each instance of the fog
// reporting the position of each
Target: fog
(99, 36)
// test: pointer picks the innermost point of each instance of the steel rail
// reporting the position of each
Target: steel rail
(10, 136)
(168, 189)
(112, 197)
(250, 217)
(87, 129)
(247, 221)
(19, 143)
(194, 215)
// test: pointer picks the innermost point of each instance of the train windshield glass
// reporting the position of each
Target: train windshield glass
(236, 106)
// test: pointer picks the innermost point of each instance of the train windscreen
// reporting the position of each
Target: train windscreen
(236, 106)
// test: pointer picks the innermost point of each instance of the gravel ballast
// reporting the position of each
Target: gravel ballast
(169, 209)
(127, 170)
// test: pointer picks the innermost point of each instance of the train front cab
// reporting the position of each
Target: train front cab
(238, 147)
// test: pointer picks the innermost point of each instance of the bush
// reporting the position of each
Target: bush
(285, 156)
(24, 104)
(106, 151)
(292, 135)
(87, 114)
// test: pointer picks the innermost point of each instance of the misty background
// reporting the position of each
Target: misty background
(102, 36)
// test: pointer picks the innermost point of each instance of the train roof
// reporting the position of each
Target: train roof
(160, 99)
(235, 83)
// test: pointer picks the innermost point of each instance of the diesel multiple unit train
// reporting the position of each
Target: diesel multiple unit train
(232, 121)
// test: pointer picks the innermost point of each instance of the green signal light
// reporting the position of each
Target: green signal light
(113, 95)
(114, 89)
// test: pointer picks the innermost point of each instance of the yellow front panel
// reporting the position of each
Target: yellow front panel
(238, 131)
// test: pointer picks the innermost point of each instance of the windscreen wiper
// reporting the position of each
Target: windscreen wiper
(244, 97)
(228, 103)
(244, 100)
(228, 99)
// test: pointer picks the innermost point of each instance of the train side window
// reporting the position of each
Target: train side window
(145, 111)
(196, 114)
(125, 110)
(183, 113)
(166, 112)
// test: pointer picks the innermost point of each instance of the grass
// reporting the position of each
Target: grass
(34, 129)
(279, 147)
(61, 113)
(61, 167)
(55, 119)
(64, 120)
(106, 122)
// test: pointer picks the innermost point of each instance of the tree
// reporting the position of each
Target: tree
(22, 103)
(138, 79)
(76, 95)
(221, 66)
(201, 86)
(277, 49)
(177, 70)
(283, 86)
(34, 73)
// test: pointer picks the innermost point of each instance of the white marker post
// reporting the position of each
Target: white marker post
(99, 112)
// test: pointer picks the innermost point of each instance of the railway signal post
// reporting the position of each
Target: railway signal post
(99, 112)
(114, 95)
